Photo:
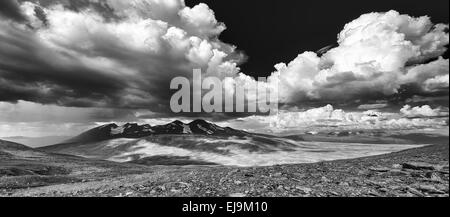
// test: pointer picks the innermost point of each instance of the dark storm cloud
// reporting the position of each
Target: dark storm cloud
(34, 112)
(71, 56)
(10, 9)
(30, 71)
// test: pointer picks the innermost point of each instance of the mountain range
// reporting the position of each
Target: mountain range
(202, 143)
(36, 142)
(197, 142)
(134, 131)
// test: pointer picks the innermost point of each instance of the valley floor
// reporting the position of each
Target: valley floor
(412, 173)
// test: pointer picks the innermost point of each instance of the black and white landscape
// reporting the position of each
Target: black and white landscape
(86, 98)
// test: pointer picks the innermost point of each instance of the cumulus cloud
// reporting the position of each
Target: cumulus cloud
(431, 77)
(329, 118)
(378, 53)
(439, 82)
(201, 20)
(422, 111)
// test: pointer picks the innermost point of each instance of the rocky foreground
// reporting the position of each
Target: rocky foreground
(422, 172)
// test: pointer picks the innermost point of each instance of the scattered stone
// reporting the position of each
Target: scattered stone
(399, 173)
(237, 182)
(304, 189)
(434, 177)
(383, 190)
(415, 192)
(408, 194)
(430, 189)
(344, 184)
(417, 174)
(325, 179)
(277, 174)
(373, 183)
(297, 180)
(443, 187)
(299, 175)
(237, 195)
(334, 193)
(380, 169)
(375, 194)
(418, 166)
(173, 190)
(397, 166)
(444, 171)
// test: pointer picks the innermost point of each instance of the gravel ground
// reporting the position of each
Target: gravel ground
(422, 172)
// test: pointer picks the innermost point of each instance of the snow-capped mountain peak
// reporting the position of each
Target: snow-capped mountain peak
(134, 130)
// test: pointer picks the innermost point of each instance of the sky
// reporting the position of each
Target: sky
(292, 27)
(67, 65)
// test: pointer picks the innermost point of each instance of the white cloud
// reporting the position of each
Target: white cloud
(372, 59)
(430, 77)
(201, 20)
(439, 82)
(422, 111)
(328, 118)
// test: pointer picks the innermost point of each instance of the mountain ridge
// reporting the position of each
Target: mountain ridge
(135, 131)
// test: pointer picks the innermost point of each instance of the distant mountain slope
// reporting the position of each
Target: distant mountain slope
(133, 131)
(24, 167)
(112, 131)
(12, 146)
(36, 142)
